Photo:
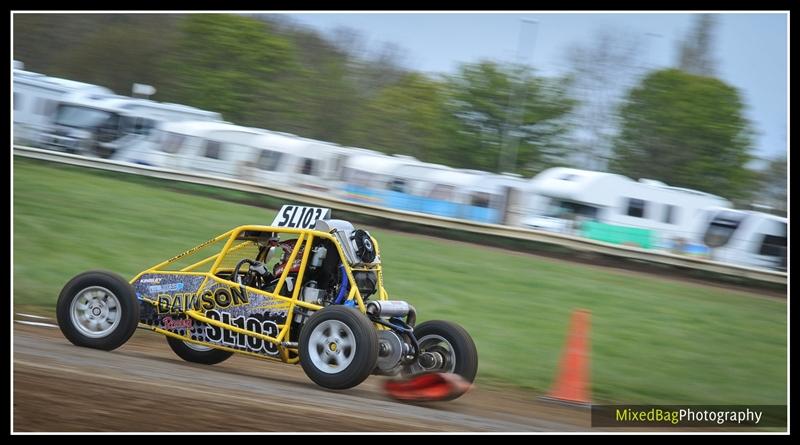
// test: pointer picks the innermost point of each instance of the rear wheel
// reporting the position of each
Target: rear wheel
(97, 309)
(195, 353)
(338, 347)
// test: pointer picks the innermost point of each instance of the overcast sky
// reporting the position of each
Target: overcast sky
(750, 48)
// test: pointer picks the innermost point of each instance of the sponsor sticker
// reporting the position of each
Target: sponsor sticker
(171, 287)
(171, 324)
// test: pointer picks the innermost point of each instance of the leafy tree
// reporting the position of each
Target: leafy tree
(328, 98)
(687, 131)
(234, 65)
(113, 50)
(123, 54)
(504, 110)
(40, 38)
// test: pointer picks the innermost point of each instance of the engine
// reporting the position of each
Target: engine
(396, 346)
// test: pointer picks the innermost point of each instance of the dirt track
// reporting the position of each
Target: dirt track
(143, 386)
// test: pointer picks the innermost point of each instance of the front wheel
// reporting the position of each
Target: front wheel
(97, 309)
(445, 347)
(338, 347)
(196, 353)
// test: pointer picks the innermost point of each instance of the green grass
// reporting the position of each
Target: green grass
(653, 340)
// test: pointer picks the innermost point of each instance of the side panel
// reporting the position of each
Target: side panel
(230, 305)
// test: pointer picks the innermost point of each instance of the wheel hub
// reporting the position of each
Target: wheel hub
(94, 311)
(332, 346)
(430, 360)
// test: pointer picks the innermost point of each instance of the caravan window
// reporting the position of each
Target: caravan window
(82, 117)
(773, 245)
(136, 125)
(721, 229)
(636, 207)
(348, 174)
(442, 191)
(358, 177)
(213, 150)
(338, 164)
(397, 185)
(109, 129)
(173, 143)
(268, 160)
(670, 214)
(481, 199)
(569, 209)
(46, 107)
(128, 123)
(143, 126)
(307, 168)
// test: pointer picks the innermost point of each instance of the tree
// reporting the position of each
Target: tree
(235, 65)
(39, 39)
(687, 131)
(327, 99)
(695, 54)
(772, 185)
(491, 119)
(121, 54)
(112, 50)
(410, 117)
(602, 71)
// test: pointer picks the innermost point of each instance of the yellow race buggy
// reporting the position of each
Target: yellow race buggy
(306, 289)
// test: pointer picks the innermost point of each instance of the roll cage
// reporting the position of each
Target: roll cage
(249, 235)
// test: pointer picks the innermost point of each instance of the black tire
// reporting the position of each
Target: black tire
(124, 306)
(463, 348)
(209, 357)
(363, 352)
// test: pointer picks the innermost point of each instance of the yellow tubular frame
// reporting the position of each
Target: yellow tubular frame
(304, 241)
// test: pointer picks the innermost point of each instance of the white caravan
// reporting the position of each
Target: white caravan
(232, 151)
(404, 183)
(36, 97)
(282, 159)
(559, 197)
(374, 170)
(476, 195)
(103, 124)
(747, 238)
(219, 147)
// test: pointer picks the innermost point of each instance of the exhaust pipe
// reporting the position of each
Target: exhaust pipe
(392, 308)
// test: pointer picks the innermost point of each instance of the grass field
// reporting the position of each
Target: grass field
(653, 340)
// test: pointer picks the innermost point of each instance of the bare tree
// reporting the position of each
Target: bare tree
(696, 53)
(601, 72)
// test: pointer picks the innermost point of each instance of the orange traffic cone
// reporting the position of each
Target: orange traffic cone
(572, 380)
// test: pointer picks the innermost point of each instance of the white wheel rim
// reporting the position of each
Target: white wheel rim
(196, 347)
(331, 346)
(95, 312)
